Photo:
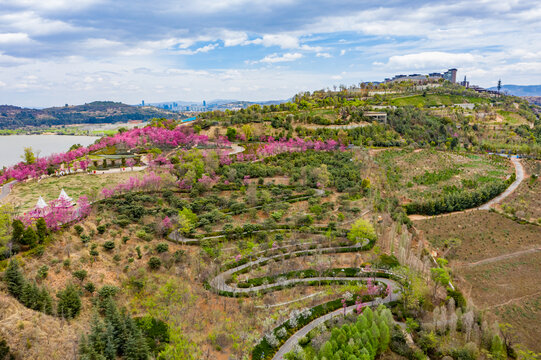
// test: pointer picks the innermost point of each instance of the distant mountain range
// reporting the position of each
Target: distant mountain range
(520, 90)
(98, 112)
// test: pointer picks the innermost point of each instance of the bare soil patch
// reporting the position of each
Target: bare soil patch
(509, 290)
(483, 235)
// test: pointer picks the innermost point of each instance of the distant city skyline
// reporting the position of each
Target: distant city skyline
(57, 52)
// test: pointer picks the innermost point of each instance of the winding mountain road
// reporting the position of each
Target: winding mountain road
(519, 174)
(294, 339)
(220, 283)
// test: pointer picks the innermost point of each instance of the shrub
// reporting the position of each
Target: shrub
(101, 229)
(43, 271)
(459, 298)
(388, 261)
(78, 229)
(109, 245)
(162, 247)
(107, 291)
(154, 263)
(80, 275)
(90, 287)
(142, 234)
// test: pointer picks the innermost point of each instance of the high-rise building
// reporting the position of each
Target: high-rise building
(450, 75)
(204, 103)
(142, 102)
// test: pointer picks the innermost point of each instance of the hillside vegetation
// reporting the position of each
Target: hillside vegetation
(98, 112)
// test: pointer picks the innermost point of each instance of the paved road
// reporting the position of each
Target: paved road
(6, 189)
(519, 173)
(219, 283)
(294, 339)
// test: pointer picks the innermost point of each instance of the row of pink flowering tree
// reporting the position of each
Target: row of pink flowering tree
(131, 139)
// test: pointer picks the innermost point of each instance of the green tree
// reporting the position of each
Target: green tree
(187, 220)
(360, 230)
(29, 156)
(497, 348)
(29, 237)
(231, 134)
(41, 229)
(180, 348)
(5, 223)
(440, 275)
(14, 279)
(18, 230)
(69, 302)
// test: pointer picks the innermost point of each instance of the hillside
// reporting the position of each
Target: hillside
(520, 90)
(96, 112)
(303, 228)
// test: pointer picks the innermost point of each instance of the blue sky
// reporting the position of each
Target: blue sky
(57, 51)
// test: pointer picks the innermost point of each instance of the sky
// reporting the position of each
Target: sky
(54, 52)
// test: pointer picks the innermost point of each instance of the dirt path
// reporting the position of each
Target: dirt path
(504, 256)
(519, 173)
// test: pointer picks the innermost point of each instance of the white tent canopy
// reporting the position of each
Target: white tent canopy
(41, 203)
(64, 196)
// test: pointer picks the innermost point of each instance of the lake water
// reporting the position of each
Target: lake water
(12, 146)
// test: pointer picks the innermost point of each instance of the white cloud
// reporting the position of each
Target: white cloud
(275, 58)
(324, 55)
(203, 49)
(32, 23)
(7, 60)
(342, 52)
(213, 6)
(14, 38)
(284, 41)
(233, 38)
(52, 5)
(433, 59)
(101, 43)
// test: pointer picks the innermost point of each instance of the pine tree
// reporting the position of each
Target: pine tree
(41, 229)
(69, 303)
(29, 237)
(117, 324)
(29, 295)
(18, 230)
(110, 350)
(384, 337)
(45, 302)
(137, 348)
(14, 279)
